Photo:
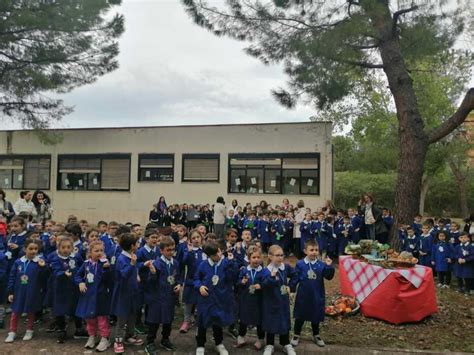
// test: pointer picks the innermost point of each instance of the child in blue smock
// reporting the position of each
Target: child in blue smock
(3, 287)
(464, 257)
(410, 242)
(264, 233)
(193, 257)
(344, 235)
(125, 293)
(250, 297)
(441, 258)
(320, 231)
(164, 283)
(305, 229)
(15, 240)
(425, 246)
(310, 298)
(94, 299)
(214, 280)
(276, 278)
(24, 285)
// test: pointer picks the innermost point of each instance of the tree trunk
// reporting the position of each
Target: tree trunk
(461, 181)
(425, 184)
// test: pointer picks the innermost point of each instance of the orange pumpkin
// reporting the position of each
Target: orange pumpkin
(348, 310)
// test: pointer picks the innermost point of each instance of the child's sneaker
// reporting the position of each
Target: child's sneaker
(289, 349)
(259, 344)
(268, 350)
(28, 335)
(104, 344)
(221, 349)
(439, 285)
(318, 341)
(62, 337)
(167, 345)
(151, 349)
(295, 341)
(184, 327)
(240, 341)
(134, 340)
(118, 346)
(81, 333)
(233, 332)
(90, 342)
(200, 351)
(10, 337)
(52, 327)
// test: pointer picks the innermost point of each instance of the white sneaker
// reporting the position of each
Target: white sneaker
(295, 341)
(10, 337)
(200, 351)
(90, 343)
(240, 341)
(28, 335)
(268, 350)
(289, 349)
(259, 344)
(104, 344)
(221, 349)
(439, 285)
(319, 342)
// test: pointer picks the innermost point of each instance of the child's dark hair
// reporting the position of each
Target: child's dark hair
(166, 242)
(151, 225)
(443, 233)
(231, 231)
(150, 232)
(210, 236)
(21, 221)
(122, 229)
(210, 248)
(101, 223)
(74, 229)
(311, 243)
(465, 234)
(33, 241)
(127, 240)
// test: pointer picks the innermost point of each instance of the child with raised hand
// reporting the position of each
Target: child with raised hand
(24, 285)
(250, 297)
(193, 257)
(164, 283)
(94, 300)
(310, 298)
(125, 293)
(215, 279)
(441, 258)
(64, 266)
(15, 240)
(276, 301)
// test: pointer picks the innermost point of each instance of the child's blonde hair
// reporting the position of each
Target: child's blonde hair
(62, 239)
(274, 248)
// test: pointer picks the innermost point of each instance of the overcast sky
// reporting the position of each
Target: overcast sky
(173, 72)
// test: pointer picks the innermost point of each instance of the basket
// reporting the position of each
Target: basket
(338, 314)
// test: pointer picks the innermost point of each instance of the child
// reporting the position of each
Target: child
(192, 259)
(454, 234)
(411, 241)
(319, 229)
(241, 248)
(305, 229)
(214, 280)
(112, 249)
(125, 293)
(464, 257)
(441, 256)
(24, 285)
(64, 266)
(93, 304)
(230, 221)
(250, 297)
(165, 281)
(3, 287)
(425, 245)
(15, 240)
(356, 224)
(417, 225)
(345, 235)
(264, 231)
(276, 301)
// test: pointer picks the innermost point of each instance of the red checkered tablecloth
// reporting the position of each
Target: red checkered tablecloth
(365, 277)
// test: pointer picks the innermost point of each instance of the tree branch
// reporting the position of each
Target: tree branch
(455, 120)
(360, 64)
(397, 14)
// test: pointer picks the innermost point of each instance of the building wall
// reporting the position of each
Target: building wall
(135, 204)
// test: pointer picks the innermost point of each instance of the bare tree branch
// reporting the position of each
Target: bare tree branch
(397, 14)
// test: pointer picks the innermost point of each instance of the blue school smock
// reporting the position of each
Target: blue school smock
(111, 249)
(464, 251)
(3, 277)
(356, 223)
(144, 254)
(264, 231)
(125, 290)
(96, 300)
(440, 253)
(331, 240)
(250, 304)
(64, 290)
(192, 259)
(13, 254)
(275, 305)
(425, 245)
(310, 298)
(160, 296)
(47, 246)
(320, 231)
(417, 228)
(411, 244)
(218, 307)
(278, 232)
(25, 295)
(342, 240)
(454, 238)
(305, 229)
(251, 224)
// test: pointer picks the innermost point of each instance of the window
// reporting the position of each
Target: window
(200, 168)
(156, 167)
(94, 173)
(25, 172)
(289, 174)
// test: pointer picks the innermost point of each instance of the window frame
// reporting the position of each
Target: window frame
(202, 156)
(95, 156)
(279, 168)
(24, 157)
(155, 156)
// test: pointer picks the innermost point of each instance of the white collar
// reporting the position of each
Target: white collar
(307, 261)
(466, 244)
(25, 259)
(148, 249)
(272, 267)
(76, 243)
(212, 263)
(166, 261)
(20, 234)
(259, 268)
(62, 257)
(196, 248)
(127, 254)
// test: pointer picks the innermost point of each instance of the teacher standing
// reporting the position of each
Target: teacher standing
(219, 218)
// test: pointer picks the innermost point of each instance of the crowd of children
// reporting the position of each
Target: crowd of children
(122, 276)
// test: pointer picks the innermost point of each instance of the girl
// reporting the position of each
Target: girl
(93, 305)
(305, 229)
(15, 240)
(250, 297)
(276, 301)
(64, 266)
(425, 246)
(24, 285)
(441, 258)
(310, 298)
(192, 259)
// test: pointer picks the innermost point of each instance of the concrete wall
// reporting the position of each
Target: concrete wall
(135, 204)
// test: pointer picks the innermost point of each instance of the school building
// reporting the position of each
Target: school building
(119, 173)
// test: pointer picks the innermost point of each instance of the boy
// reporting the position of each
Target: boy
(411, 242)
(344, 235)
(464, 258)
(454, 234)
(425, 245)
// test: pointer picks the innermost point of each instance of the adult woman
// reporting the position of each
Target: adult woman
(300, 214)
(6, 207)
(219, 217)
(24, 204)
(161, 205)
(285, 204)
(43, 208)
(469, 226)
(372, 217)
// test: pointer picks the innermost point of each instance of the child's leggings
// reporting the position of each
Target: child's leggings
(444, 277)
(153, 329)
(217, 332)
(299, 325)
(243, 331)
(188, 311)
(284, 339)
(101, 323)
(61, 322)
(125, 326)
(14, 322)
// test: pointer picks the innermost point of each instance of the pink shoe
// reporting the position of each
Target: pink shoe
(118, 348)
(184, 327)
